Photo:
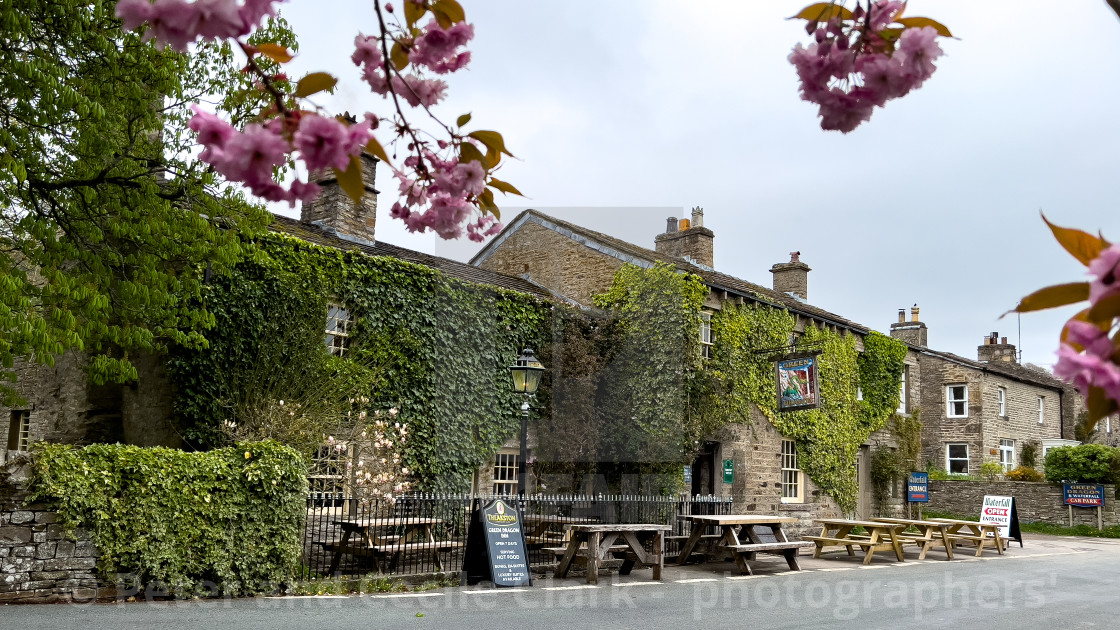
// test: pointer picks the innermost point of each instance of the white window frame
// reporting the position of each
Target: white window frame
(793, 481)
(950, 401)
(859, 393)
(504, 472)
(902, 407)
(1001, 395)
(706, 343)
(1042, 410)
(949, 460)
(19, 430)
(1007, 454)
(337, 336)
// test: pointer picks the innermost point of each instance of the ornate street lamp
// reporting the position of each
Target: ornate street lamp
(526, 373)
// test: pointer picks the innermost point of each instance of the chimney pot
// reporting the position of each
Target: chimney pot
(671, 225)
(697, 217)
(901, 315)
(1003, 340)
(914, 313)
(684, 225)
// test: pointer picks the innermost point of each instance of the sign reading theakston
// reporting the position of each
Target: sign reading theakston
(509, 564)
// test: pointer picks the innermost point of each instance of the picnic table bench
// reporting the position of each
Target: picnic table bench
(880, 536)
(760, 534)
(930, 534)
(539, 530)
(598, 543)
(417, 536)
(973, 532)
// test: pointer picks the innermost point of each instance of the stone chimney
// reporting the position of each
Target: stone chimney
(688, 239)
(334, 209)
(912, 332)
(792, 277)
(996, 348)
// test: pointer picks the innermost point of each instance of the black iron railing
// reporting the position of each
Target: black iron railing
(426, 532)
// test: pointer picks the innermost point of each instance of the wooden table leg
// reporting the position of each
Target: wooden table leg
(871, 547)
(338, 552)
(690, 544)
(569, 555)
(593, 557)
(897, 545)
(947, 542)
(658, 552)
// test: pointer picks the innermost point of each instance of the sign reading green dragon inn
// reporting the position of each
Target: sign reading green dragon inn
(496, 546)
(798, 383)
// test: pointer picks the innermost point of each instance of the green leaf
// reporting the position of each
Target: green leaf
(470, 153)
(351, 179)
(275, 52)
(487, 205)
(1099, 404)
(397, 55)
(462, 120)
(413, 12)
(1051, 297)
(492, 139)
(450, 9)
(822, 12)
(498, 184)
(314, 83)
(919, 22)
(1083, 246)
(373, 147)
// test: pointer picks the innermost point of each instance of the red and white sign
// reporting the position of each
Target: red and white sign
(997, 511)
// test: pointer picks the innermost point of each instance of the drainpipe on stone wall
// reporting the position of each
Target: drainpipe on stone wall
(1061, 415)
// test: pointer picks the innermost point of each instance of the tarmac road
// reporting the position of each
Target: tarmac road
(1051, 583)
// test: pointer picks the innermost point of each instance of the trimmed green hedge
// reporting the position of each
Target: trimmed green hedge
(1087, 463)
(232, 516)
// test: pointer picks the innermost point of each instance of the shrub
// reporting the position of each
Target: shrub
(1088, 463)
(990, 471)
(1024, 473)
(1029, 456)
(231, 516)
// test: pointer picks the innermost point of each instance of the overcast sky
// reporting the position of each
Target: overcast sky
(618, 110)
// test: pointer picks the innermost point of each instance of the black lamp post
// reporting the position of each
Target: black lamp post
(526, 373)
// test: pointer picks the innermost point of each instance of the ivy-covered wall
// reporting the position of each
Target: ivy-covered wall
(444, 346)
(232, 517)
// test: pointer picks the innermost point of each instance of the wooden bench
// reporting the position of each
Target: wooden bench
(770, 546)
(880, 536)
(392, 551)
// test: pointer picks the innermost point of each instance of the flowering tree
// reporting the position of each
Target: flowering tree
(446, 181)
(862, 58)
(1089, 353)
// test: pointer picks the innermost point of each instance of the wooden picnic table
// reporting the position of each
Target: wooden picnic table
(745, 535)
(930, 534)
(373, 542)
(880, 536)
(979, 534)
(541, 532)
(596, 541)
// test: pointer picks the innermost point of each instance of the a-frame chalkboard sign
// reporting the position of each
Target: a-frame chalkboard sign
(496, 546)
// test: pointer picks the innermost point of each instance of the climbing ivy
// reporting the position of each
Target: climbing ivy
(741, 378)
(445, 346)
(232, 517)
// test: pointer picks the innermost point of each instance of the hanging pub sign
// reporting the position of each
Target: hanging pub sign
(798, 386)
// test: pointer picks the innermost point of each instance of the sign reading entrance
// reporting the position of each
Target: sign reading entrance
(1001, 511)
(728, 471)
(917, 487)
(1083, 495)
(797, 382)
(496, 533)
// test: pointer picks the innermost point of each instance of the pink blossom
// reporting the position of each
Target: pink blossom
(1087, 370)
(436, 47)
(322, 142)
(218, 19)
(1088, 336)
(134, 12)
(460, 179)
(883, 13)
(1106, 268)
(417, 91)
(841, 111)
(367, 51)
(213, 133)
(883, 78)
(174, 23)
(255, 10)
(919, 49)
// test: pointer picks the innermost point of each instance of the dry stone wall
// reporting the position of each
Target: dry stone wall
(38, 563)
(1035, 502)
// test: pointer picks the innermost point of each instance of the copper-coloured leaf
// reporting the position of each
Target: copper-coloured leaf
(1082, 245)
(1057, 295)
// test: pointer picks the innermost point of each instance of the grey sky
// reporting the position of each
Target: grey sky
(617, 106)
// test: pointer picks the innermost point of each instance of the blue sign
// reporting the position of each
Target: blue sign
(917, 487)
(1083, 494)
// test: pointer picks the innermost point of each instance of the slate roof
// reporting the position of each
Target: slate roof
(1031, 374)
(326, 237)
(714, 279)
